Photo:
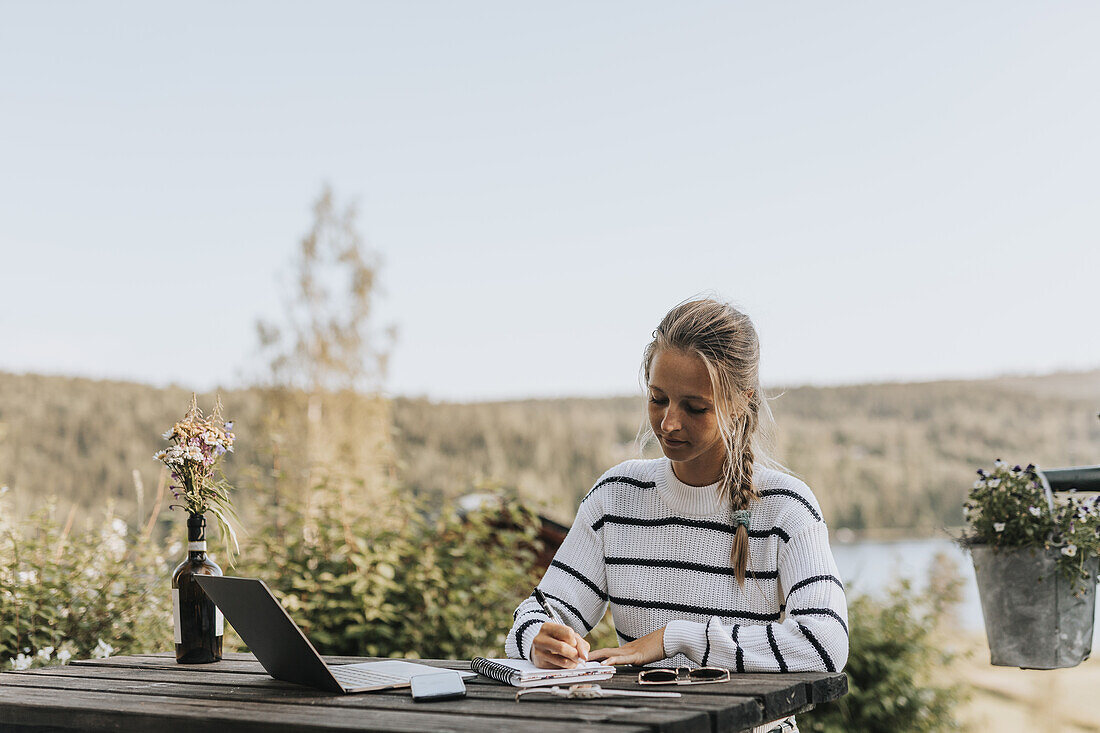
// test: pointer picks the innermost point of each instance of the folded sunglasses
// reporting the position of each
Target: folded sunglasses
(683, 676)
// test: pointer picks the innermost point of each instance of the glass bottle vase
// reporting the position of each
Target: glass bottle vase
(197, 621)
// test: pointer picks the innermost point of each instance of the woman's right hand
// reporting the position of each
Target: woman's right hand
(557, 646)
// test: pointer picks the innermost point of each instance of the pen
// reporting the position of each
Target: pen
(553, 614)
(546, 607)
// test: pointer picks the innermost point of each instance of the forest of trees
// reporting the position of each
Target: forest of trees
(877, 456)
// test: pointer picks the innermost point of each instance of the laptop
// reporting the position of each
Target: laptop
(286, 653)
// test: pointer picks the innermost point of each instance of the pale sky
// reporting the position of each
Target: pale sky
(893, 191)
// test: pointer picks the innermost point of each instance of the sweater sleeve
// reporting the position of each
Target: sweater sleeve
(813, 636)
(575, 586)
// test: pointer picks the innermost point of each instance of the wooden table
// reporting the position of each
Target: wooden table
(153, 693)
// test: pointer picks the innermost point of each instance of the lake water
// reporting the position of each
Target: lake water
(872, 567)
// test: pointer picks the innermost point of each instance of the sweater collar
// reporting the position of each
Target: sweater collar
(683, 499)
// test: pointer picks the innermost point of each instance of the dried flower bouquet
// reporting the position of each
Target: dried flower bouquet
(198, 444)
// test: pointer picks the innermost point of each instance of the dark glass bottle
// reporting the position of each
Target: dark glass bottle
(198, 622)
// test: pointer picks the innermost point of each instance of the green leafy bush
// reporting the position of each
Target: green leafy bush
(894, 668)
(400, 583)
(86, 593)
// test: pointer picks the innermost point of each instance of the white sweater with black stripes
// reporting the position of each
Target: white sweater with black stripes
(658, 551)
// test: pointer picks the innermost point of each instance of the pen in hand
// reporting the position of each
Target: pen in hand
(546, 607)
(541, 598)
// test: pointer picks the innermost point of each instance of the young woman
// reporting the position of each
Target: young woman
(708, 556)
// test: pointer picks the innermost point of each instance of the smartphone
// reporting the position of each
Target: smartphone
(437, 686)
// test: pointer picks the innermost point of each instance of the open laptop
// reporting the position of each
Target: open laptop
(286, 653)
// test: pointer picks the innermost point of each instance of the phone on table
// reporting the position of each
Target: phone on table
(437, 686)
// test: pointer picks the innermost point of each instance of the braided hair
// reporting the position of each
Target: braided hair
(726, 341)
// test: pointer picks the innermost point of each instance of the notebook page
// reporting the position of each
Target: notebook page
(528, 670)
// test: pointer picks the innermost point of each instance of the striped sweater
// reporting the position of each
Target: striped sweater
(658, 551)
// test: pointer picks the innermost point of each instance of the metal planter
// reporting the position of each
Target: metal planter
(1033, 620)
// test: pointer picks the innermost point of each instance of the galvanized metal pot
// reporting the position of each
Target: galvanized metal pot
(1033, 620)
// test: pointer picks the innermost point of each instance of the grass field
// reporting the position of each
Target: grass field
(1010, 700)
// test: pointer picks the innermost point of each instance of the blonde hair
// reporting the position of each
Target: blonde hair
(726, 341)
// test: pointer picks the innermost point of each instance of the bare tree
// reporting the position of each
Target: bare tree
(326, 342)
(328, 424)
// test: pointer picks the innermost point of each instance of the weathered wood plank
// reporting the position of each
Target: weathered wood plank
(162, 675)
(744, 701)
(150, 662)
(777, 695)
(28, 708)
(170, 658)
(823, 687)
(727, 713)
(672, 718)
(239, 663)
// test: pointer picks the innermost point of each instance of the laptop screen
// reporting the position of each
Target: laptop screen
(268, 630)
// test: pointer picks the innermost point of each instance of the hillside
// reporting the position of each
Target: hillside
(883, 455)
(880, 455)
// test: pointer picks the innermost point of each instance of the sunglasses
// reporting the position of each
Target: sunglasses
(683, 676)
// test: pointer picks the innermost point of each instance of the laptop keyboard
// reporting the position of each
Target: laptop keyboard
(349, 676)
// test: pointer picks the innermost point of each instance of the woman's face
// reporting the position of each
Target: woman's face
(681, 413)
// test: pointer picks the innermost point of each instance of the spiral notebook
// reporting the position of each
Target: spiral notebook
(521, 673)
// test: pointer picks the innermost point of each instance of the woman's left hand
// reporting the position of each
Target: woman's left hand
(649, 648)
